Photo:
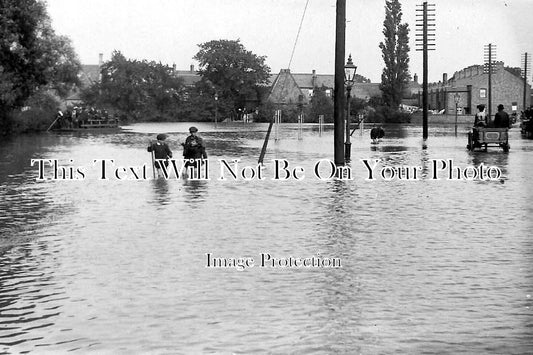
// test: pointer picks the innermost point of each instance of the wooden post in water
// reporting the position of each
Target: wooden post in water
(153, 158)
(265, 143)
(300, 121)
(277, 121)
(338, 99)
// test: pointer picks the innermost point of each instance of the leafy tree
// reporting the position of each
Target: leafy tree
(62, 64)
(32, 57)
(320, 104)
(395, 53)
(233, 71)
(357, 105)
(137, 88)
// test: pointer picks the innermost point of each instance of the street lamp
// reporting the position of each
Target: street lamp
(456, 98)
(216, 109)
(349, 80)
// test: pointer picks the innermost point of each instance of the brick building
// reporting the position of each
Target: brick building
(190, 77)
(471, 84)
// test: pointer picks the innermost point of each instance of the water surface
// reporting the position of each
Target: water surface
(119, 266)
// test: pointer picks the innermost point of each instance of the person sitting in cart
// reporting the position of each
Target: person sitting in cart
(480, 121)
(501, 118)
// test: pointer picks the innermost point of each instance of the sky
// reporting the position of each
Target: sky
(169, 31)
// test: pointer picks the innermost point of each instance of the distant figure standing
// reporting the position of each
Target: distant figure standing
(376, 133)
(501, 118)
(481, 119)
(160, 150)
(60, 118)
(82, 118)
(194, 147)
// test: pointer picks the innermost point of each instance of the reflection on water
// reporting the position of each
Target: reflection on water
(195, 192)
(428, 266)
(161, 189)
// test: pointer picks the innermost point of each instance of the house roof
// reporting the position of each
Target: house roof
(189, 77)
(305, 80)
(90, 74)
(285, 89)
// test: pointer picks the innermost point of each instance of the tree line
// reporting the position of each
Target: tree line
(37, 66)
(39, 69)
(147, 90)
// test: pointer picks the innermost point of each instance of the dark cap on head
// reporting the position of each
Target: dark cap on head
(500, 107)
(481, 107)
(193, 129)
(161, 137)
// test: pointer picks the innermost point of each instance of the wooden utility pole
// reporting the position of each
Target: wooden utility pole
(425, 44)
(490, 55)
(526, 67)
(338, 93)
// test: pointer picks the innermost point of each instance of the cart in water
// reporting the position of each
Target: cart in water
(482, 137)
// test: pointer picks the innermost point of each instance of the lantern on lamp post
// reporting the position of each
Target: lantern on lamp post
(349, 80)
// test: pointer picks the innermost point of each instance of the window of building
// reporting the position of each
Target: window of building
(328, 92)
(483, 93)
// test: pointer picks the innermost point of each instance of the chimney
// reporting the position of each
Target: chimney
(313, 79)
(100, 59)
(174, 67)
(415, 78)
(192, 67)
(444, 78)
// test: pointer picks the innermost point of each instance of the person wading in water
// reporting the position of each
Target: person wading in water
(193, 148)
(160, 151)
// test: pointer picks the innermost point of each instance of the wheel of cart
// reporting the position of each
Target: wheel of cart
(470, 144)
(482, 137)
(505, 146)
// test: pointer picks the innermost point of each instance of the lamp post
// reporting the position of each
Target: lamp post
(216, 110)
(349, 79)
(456, 98)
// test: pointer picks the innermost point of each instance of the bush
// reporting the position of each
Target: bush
(38, 115)
(385, 114)
(289, 113)
(266, 112)
(32, 120)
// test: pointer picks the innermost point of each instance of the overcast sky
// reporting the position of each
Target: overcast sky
(170, 31)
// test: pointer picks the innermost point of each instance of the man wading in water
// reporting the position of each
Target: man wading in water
(193, 148)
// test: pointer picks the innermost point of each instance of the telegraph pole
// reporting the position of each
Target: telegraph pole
(426, 43)
(490, 56)
(338, 93)
(526, 67)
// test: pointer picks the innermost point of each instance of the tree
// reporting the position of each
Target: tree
(32, 57)
(61, 63)
(139, 89)
(321, 104)
(233, 71)
(395, 53)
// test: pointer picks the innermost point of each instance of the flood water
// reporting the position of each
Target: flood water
(119, 266)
